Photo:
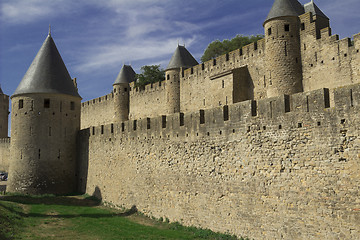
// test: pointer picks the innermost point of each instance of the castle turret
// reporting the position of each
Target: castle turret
(121, 91)
(180, 61)
(282, 48)
(4, 113)
(45, 121)
(320, 19)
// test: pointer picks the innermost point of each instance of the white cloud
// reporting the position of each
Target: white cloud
(115, 54)
(25, 11)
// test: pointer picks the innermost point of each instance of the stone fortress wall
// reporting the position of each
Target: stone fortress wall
(4, 154)
(97, 111)
(327, 62)
(285, 167)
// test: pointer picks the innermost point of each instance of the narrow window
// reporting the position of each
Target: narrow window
(181, 119)
(214, 62)
(302, 26)
(271, 109)
(134, 125)
(122, 127)
(203, 66)
(287, 27)
(39, 153)
(223, 84)
(102, 129)
(285, 49)
(182, 74)
(148, 126)
(204, 102)
(112, 128)
(93, 130)
(163, 119)
(227, 57)
(21, 103)
(192, 70)
(241, 52)
(114, 90)
(32, 105)
(168, 77)
(72, 105)
(46, 103)
(351, 98)
(307, 103)
(269, 31)
(125, 89)
(226, 112)
(202, 116)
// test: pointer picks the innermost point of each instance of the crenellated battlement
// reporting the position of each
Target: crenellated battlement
(226, 62)
(99, 100)
(5, 140)
(222, 122)
(151, 87)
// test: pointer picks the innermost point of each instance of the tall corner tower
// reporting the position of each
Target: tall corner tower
(4, 114)
(282, 48)
(121, 91)
(181, 60)
(45, 121)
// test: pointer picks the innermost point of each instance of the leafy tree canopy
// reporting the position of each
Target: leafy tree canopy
(149, 74)
(218, 48)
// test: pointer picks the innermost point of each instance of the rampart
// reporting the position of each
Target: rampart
(97, 111)
(4, 154)
(327, 61)
(147, 101)
(280, 168)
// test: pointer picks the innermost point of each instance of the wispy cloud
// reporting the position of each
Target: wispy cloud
(25, 11)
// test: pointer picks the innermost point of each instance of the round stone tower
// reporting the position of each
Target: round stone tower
(180, 60)
(121, 91)
(4, 113)
(45, 121)
(282, 48)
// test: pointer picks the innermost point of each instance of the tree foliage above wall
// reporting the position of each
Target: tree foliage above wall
(218, 48)
(149, 74)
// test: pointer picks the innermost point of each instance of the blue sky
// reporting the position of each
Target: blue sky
(95, 38)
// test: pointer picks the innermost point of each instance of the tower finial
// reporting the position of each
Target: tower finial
(49, 29)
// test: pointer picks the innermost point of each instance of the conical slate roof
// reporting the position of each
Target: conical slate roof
(314, 9)
(47, 73)
(126, 75)
(285, 8)
(181, 58)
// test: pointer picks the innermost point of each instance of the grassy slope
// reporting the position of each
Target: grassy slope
(48, 217)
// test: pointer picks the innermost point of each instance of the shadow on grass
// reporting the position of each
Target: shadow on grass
(60, 201)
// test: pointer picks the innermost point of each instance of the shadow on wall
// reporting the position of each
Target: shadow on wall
(97, 193)
(82, 159)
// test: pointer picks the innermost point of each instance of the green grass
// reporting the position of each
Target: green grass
(79, 217)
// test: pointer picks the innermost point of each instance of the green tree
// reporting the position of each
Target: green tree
(218, 48)
(149, 74)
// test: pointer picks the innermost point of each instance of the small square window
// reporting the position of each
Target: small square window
(287, 27)
(46, 103)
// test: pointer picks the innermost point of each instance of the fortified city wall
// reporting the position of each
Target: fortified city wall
(149, 101)
(286, 167)
(4, 154)
(327, 62)
(97, 111)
